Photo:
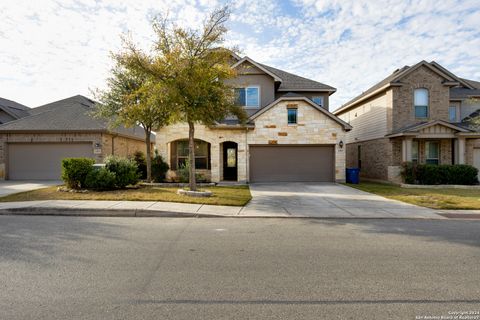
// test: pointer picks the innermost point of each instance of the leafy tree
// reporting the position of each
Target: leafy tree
(133, 98)
(191, 67)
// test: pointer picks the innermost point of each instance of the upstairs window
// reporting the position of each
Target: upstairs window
(452, 113)
(421, 103)
(292, 116)
(318, 100)
(248, 97)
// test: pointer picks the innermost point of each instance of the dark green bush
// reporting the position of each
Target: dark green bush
(126, 171)
(439, 174)
(141, 162)
(75, 171)
(159, 168)
(100, 179)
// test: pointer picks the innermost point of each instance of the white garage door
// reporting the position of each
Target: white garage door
(42, 161)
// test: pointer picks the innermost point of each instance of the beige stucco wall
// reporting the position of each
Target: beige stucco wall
(313, 127)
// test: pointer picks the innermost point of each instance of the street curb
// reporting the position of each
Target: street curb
(89, 212)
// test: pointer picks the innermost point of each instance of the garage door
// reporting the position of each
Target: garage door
(42, 161)
(292, 163)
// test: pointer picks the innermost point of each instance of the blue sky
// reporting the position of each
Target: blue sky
(51, 49)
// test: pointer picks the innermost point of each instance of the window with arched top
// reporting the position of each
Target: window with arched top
(421, 103)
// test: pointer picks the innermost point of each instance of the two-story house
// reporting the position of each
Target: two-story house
(419, 113)
(290, 134)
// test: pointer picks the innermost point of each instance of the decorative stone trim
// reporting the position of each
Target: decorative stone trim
(270, 126)
(283, 134)
(272, 142)
(199, 194)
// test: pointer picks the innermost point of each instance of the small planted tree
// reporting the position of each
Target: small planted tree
(133, 98)
(192, 71)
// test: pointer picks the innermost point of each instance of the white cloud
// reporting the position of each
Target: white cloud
(52, 49)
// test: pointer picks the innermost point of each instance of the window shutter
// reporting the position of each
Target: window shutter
(173, 155)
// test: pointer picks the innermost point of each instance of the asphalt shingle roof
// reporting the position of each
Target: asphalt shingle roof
(71, 114)
(14, 108)
(293, 82)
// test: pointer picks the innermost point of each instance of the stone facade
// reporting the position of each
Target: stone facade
(124, 146)
(313, 127)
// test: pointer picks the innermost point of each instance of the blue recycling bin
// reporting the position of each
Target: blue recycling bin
(352, 175)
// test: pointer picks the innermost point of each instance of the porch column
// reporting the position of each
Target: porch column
(461, 150)
(407, 149)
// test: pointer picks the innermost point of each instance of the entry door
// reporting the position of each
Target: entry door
(230, 161)
(476, 159)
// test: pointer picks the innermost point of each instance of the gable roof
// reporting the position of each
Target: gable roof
(414, 128)
(345, 125)
(461, 93)
(70, 114)
(288, 81)
(394, 79)
(14, 109)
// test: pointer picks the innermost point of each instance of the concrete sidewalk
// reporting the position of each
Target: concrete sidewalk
(174, 209)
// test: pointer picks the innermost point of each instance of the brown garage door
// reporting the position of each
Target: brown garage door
(277, 163)
(42, 161)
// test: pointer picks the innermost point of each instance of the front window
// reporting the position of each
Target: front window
(247, 97)
(318, 100)
(414, 151)
(292, 116)
(432, 151)
(421, 103)
(202, 150)
(452, 113)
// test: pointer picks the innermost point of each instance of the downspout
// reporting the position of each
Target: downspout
(113, 145)
(247, 155)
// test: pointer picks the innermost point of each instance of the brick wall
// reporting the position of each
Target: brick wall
(376, 157)
(121, 146)
(403, 102)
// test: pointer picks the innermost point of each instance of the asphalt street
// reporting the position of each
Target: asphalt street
(223, 268)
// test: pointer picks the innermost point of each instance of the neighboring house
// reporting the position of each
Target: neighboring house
(11, 110)
(419, 113)
(290, 134)
(32, 147)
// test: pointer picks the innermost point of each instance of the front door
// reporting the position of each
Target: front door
(230, 161)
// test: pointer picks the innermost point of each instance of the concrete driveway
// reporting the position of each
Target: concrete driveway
(10, 187)
(327, 200)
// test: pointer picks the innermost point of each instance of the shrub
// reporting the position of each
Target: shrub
(100, 179)
(183, 174)
(141, 162)
(126, 171)
(75, 171)
(439, 174)
(159, 168)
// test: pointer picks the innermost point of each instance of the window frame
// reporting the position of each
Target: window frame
(246, 96)
(427, 106)
(179, 157)
(415, 145)
(454, 108)
(429, 160)
(321, 97)
(288, 116)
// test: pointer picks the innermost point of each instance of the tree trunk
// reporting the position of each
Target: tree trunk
(191, 156)
(148, 156)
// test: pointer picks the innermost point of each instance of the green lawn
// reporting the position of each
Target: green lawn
(228, 196)
(430, 198)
